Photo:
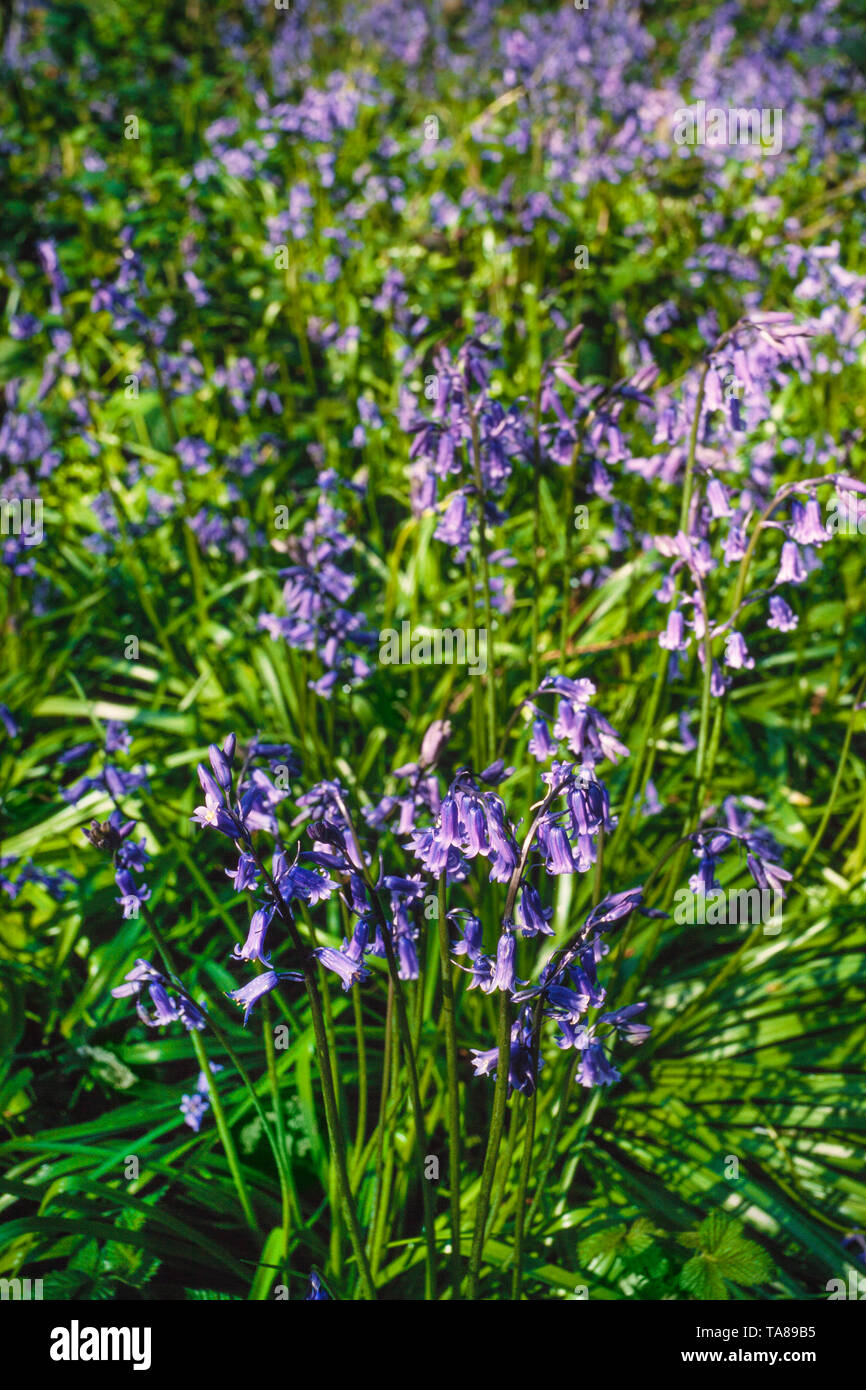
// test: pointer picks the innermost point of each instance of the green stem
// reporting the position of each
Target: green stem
(216, 1103)
(288, 1196)
(453, 1088)
(335, 1129)
(380, 1130)
(406, 1036)
(417, 1109)
(490, 686)
(550, 1148)
(224, 1132)
(500, 1098)
(531, 1108)
(361, 1127)
(536, 539)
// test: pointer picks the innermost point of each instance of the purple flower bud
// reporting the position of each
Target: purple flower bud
(433, 742)
(209, 786)
(221, 766)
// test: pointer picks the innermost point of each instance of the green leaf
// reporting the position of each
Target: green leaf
(641, 1235)
(742, 1260)
(600, 1243)
(700, 1277)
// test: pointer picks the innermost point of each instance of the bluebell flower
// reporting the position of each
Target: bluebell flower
(571, 1034)
(166, 1010)
(194, 1108)
(214, 813)
(448, 829)
(455, 526)
(118, 782)
(807, 526)
(735, 544)
(541, 745)
(566, 1003)
(132, 855)
(588, 803)
(221, 762)
(718, 499)
(791, 567)
(470, 943)
(616, 906)
(768, 876)
(132, 894)
(117, 737)
(705, 881)
(427, 847)
(24, 326)
(53, 883)
(259, 800)
(737, 653)
(317, 1290)
(348, 962)
(481, 968)
(298, 882)
(651, 804)
(190, 1015)
(71, 755)
(245, 875)
(410, 888)
(250, 994)
(673, 638)
(254, 946)
(532, 918)
(595, 1067)
(521, 1074)
(114, 780)
(503, 848)
(687, 738)
(278, 755)
(472, 825)
(408, 967)
(193, 454)
(554, 844)
(503, 973)
(781, 616)
(623, 1020)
